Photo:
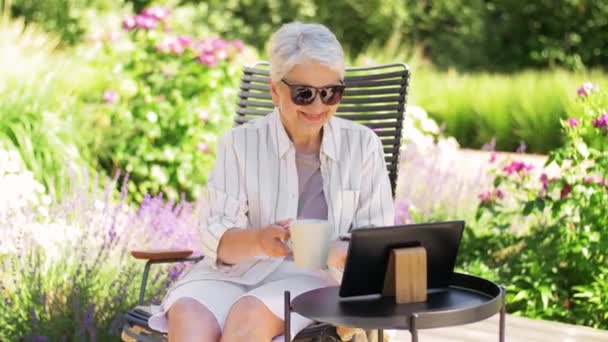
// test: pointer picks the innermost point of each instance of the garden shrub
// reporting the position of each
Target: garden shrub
(171, 98)
(547, 231)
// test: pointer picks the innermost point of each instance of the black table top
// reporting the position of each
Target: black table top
(470, 299)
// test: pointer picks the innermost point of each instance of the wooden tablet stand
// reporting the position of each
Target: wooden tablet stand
(406, 277)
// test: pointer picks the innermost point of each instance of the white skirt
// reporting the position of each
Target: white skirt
(218, 296)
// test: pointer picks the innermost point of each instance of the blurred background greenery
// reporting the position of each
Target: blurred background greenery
(83, 98)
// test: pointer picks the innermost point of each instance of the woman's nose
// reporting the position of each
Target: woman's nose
(317, 105)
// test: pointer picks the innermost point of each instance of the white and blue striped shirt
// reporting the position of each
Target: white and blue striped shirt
(255, 183)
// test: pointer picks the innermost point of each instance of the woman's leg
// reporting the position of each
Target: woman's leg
(190, 320)
(195, 310)
(260, 311)
(250, 320)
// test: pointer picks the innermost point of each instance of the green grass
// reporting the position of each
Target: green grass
(475, 107)
(522, 107)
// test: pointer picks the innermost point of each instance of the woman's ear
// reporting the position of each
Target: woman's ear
(274, 93)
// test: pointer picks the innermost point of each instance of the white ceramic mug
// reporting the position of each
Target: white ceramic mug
(310, 243)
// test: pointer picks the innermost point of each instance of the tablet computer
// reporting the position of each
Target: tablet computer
(370, 248)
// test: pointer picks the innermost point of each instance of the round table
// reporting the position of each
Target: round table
(468, 299)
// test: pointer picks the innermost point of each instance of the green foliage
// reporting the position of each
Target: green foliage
(164, 110)
(521, 107)
(550, 232)
(507, 35)
(67, 18)
(39, 91)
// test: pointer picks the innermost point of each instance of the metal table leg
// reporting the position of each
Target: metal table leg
(413, 330)
(287, 317)
(503, 314)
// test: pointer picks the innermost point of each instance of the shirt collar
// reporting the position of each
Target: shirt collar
(330, 143)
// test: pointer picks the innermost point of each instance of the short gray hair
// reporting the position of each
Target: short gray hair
(296, 42)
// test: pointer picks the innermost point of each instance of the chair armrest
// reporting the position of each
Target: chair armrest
(161, 254)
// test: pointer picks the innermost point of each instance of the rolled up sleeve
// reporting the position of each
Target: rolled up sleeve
(226, 199)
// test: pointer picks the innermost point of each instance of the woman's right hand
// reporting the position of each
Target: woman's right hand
(273, 237)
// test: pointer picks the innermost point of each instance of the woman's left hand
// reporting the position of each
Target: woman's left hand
(337, 254)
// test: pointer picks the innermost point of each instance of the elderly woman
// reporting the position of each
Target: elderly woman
(297, 162)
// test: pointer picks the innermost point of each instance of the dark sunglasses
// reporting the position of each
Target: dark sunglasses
(303, 95)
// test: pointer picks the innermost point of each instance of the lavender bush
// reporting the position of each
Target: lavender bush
(66, 273)
(432, 182)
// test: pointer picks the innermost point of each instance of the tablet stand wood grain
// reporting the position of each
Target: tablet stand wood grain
(406, 277)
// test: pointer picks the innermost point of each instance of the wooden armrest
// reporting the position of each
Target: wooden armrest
(162, 254)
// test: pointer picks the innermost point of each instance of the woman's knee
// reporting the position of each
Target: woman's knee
(250, 317)
(187, 314)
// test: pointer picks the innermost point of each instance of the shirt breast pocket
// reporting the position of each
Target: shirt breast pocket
(349, 202)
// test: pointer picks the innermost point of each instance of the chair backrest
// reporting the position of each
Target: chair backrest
(375, 97)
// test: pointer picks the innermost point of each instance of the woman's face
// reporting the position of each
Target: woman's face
(305, 119)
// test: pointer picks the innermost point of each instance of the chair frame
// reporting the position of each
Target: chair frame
(254, 102)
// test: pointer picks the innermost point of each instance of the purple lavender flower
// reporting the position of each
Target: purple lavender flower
(489, 146)
(601, 121)
(111, 97)
(587, 88)
(522, 147)
(573, 122)
(402, 211)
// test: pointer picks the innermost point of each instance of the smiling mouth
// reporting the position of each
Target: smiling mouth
(312, 117)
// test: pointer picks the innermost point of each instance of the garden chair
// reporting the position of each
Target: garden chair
(375, 96)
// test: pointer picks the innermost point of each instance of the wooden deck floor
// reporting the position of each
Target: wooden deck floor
(518, 329)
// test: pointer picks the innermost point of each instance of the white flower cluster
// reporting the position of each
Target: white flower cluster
(423, 134)
(19, 188)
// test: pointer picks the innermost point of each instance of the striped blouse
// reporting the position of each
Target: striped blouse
(255, 183)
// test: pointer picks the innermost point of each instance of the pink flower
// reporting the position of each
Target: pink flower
(129, 22)
(485, 197)
(517, 166)
(111, 97)
(203, 115)
(493, 157)
(587, 88)
(499, 194)
(184, 41)
(207, 59)
(601, 121)
(572, 122)
(544, 179)
(170, 45)
(201, 146)
(594, 180)
(146, 22)
(238, 44)
(156, 12)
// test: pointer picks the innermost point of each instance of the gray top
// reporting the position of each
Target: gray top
(311, 200)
